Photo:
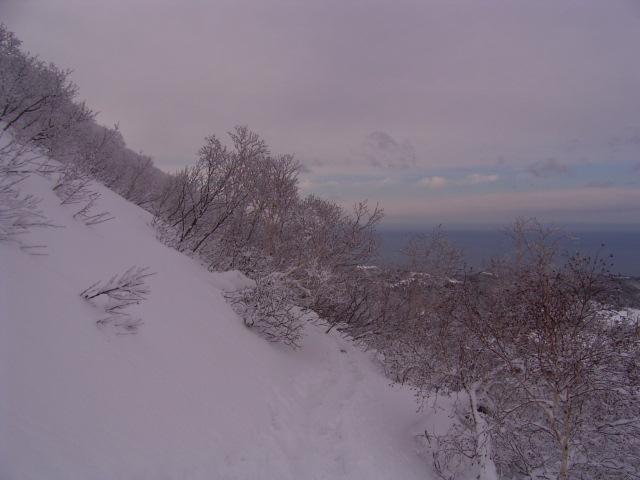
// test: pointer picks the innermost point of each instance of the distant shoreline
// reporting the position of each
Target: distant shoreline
(479, 245)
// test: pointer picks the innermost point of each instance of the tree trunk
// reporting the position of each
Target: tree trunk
(486, 467)
(564, 465)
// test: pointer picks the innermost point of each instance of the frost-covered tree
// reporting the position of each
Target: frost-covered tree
(36, 98)
(544, 372)
(40, 113)
(565, 402)
(328, 250)
(200, 199)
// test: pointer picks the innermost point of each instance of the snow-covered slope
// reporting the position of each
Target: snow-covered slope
(194, 394)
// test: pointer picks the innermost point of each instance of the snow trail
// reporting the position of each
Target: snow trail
(194, 394)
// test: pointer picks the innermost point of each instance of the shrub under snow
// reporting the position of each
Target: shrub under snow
(117, 294)
(268, 307)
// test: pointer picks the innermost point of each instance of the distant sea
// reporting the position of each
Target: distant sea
(480, 245)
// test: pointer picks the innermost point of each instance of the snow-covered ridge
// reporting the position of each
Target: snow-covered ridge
(194, 394)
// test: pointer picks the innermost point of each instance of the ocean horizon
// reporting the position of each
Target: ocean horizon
(621, 247)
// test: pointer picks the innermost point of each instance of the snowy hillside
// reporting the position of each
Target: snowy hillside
(194, 394)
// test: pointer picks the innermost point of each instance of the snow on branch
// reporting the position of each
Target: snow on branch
(268, 307)
(73, 187)
(18, 212)
(90, 218)
(117, 294)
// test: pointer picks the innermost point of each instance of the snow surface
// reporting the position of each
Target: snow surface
(194, 394)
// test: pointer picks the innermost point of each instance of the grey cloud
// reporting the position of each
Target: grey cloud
(382, 150)
(629, 137)
(304, 168)
(313, 77)
(309, 163)
(548, 168)
(382, 141)
(434, 69)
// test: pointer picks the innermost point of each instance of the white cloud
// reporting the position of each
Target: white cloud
(472, 179)
(478, 178)
(434, 182)
(551, 167)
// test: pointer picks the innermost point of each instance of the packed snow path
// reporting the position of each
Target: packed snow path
(194, 394)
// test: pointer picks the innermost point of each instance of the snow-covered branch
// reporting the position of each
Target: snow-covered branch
(269, 308)
(117, 294)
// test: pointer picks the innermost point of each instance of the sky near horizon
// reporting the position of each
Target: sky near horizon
(459, 112)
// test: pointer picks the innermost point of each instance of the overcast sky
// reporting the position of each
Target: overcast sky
(461, 112)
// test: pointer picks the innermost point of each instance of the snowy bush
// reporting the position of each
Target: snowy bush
(117, 294)
(268, 307)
